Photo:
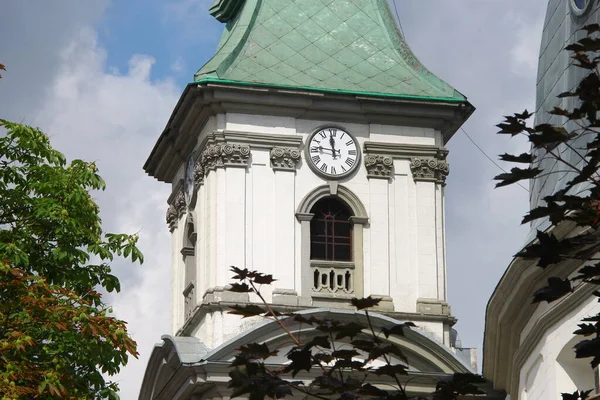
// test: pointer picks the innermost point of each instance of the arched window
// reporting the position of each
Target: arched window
(331, 251)
(331, 231)
(332, 220)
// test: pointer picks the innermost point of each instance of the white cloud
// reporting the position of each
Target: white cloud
(115, 119)
(525, 51)
(178, 66)
(64, 84)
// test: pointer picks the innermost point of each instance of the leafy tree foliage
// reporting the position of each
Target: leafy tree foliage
(577, 205)
(368, 367)
(57, 337)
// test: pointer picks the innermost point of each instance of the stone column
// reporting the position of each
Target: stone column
(377, 279)
(284, 161)
(430, 174)
(305, 271)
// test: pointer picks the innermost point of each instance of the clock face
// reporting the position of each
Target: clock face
(188, 183)
(332, 152)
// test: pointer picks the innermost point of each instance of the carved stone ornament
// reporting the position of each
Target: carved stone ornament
(172, 217)
(198, 173)
(224, 155)
(429, 169)
(379, 166)
(176, 210)
(285, 158)
(235, 154)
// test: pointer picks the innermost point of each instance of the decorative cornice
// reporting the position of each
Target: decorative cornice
(379, 166)
(198, 173)
(429, 169)
(172, 217)
(402, 150)
(224, 155)
(176, 210)
(177, 205)
(202, 101)
(254, 139)
(285, 158)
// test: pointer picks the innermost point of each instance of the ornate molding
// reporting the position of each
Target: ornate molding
(285, 158)
(224, 155)
(429, 169)
(198, 173)
(404, 150)
(172, 217)
(253, 139)
(379, 166)
(177, 207)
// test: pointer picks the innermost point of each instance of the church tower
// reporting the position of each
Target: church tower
(311, 147)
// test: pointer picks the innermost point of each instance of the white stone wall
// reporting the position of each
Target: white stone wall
(551, 368)
(246, 217)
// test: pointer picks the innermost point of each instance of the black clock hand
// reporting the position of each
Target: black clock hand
(332, 143)
(321, 148)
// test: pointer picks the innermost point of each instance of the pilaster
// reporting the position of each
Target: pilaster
(306, 278)
(379, 271)
(283, 249)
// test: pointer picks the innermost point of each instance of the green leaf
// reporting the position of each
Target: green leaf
(264, 279)
(345, 354)
(363, 303)
(548, 249)
(391, 370)
(556, 289)
(249, 310)
(397, 329)
(301, 360)
(525, 158)
(515, 175)
(240, 288)
(586, 330)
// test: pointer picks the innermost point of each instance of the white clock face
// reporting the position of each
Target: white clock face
(332, 152)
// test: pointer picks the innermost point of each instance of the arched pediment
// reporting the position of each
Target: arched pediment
(181, 366)
(424, 354)
(341, 192)
(165, 360)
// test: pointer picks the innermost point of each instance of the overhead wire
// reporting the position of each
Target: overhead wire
(398, 17)
(488, 157)
(462, 129)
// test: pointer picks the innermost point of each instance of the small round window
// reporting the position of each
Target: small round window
(580, 6)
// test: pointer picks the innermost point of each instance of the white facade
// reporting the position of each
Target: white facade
(249, 214)
(551, 368)
(528, 348)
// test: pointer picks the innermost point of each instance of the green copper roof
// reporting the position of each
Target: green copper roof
(330, 45)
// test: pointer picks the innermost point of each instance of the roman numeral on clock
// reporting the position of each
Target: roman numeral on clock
(322, 134)
(350, 161)
(352, 152)
(316, 159)
(333, 171)
(315, 149)
(323, 167)
(349, 142)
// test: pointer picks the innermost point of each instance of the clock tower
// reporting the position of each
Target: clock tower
(310, 147)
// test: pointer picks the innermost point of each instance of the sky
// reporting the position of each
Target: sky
(101, 77)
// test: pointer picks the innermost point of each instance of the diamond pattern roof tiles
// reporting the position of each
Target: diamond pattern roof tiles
(342, 45)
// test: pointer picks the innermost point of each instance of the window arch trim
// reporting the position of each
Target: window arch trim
(343, 193)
